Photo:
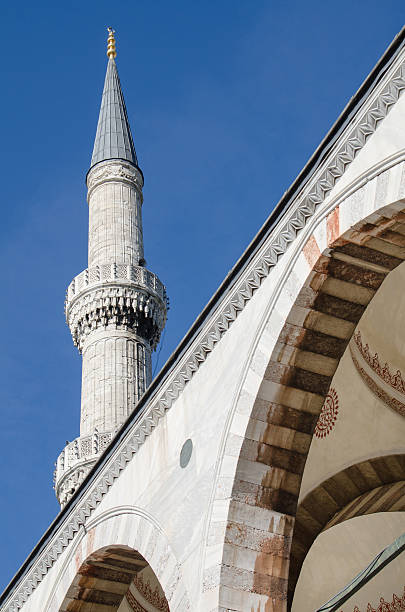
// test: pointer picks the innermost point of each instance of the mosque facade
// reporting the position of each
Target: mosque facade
(263, 469)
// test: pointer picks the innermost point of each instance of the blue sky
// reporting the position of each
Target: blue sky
(227, 101)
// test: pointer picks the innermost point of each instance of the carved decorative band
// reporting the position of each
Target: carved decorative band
(82, 448)
(387, 386)
(66, 486)
(75, 462)
(114, 171)
(128, 308)
(137, 275)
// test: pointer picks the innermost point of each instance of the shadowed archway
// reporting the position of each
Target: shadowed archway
(115, 578)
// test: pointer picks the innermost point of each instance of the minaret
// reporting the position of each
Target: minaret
(116, 308)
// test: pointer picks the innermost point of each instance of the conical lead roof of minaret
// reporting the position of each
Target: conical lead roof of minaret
(113, 137)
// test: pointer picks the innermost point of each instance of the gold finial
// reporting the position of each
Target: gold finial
(111, 52)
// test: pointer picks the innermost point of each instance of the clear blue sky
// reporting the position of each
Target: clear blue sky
(227, 101)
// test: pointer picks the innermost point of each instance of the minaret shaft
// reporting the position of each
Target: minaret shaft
(116, 371)
(115, 225)
(117, 363)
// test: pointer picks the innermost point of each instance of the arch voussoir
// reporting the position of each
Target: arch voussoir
(103, 580)
(101, 575)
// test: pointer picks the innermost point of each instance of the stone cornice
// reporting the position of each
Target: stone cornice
(113, 171)
(272, 247)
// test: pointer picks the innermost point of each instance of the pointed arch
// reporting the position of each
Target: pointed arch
(106, 564)
(104, 581)
(271, 431)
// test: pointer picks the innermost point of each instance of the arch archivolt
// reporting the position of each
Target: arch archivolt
(332, 277)
(130, 537)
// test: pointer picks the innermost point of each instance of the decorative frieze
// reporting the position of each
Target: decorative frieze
(394, 379)
(110, 171)
(386, 384)
(133, 604)
(137, 275)
(68, 484)
(397, 605)
(152, 596)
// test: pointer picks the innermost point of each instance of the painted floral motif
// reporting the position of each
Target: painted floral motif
(133, 604)
(397, 605)
(151, 595)
(392, 402)
(328, 416)
(395, 380)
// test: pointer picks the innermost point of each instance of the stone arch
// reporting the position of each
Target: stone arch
(271, 432)
(374, 485)
(108, 578)
(115, 544)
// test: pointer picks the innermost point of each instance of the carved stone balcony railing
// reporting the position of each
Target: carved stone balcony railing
(76, 461)
(134, 275)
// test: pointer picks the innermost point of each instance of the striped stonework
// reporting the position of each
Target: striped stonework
(272, 453)
(103, 580)
(98, 575)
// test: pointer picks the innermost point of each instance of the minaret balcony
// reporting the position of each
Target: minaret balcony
(76, 461)
(118, 295)
(136, 275)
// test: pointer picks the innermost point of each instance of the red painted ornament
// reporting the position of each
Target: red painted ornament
(328, 416)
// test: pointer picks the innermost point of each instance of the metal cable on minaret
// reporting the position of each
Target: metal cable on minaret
(116, 308)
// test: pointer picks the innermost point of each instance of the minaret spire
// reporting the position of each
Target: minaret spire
(113, 136)
(116, 308)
